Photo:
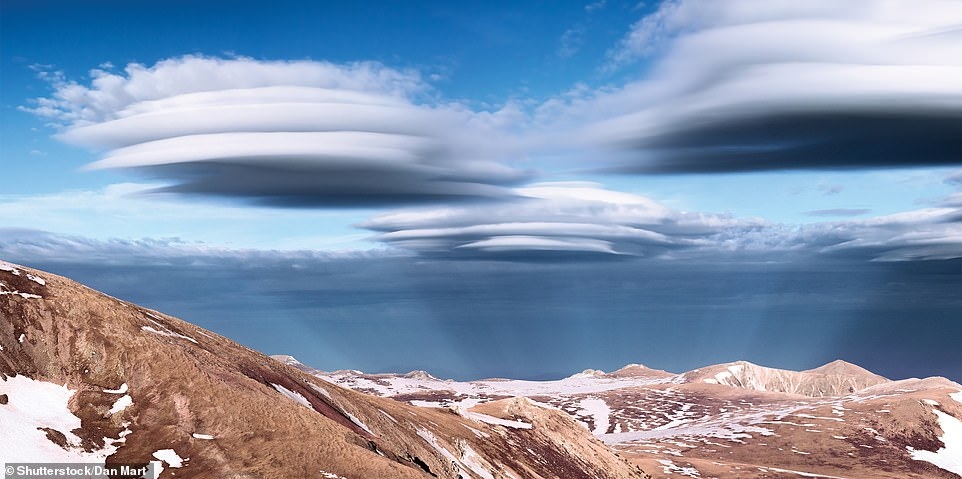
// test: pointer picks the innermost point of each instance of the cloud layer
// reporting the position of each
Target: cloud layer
(584, 221)
(730, 85)
(552, 220)
(289, 133)
(740, 86)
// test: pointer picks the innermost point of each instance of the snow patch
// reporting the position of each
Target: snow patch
(950, 456)
(392, 385)
(472, 461)
(803, 474)
(599, 411)
(433, 441)
(123, 403)
(39, 404)
(681, 426)
(122, 437)
(320, 390)
(331, 475)
(388, 416)
(121, 390)
(477, 432)
(168, 333)
(359, 423)
(670, 467)
(170, 457)
(4, 290)
(495, 420)
(588, 373)
(4, 266)
(206, 437)
(722, 377)
(297, 397)
(676, 419)
(836, 419)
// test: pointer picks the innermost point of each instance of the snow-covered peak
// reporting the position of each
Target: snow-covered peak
(588, 373)
(286, 359)
(420, 374)
(639, 371)
(837, 378)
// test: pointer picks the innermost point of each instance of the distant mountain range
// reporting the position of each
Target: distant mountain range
(85, 377)
(735, 420)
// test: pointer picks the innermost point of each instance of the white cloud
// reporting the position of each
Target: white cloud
(595, 6)
(854, 29)
(930, 233)
(287, 132)
(571, 218)
(571, 41)
(735, 86)
(180, 81)
(28, 245)
(118, 211)
(585, 221)
(742, 85)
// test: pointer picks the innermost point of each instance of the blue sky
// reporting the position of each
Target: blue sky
(572, 164)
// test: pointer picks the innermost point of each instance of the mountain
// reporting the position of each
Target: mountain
(85, 377)
(735, 420)
(833, 379)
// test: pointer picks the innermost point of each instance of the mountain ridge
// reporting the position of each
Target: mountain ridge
(123, 384)
(733, 420)
(840, 377)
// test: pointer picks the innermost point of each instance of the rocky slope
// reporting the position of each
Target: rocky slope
(736, 420)
(87, 377)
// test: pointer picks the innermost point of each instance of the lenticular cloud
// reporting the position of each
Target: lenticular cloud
(732, 85)
(741, 85)
(552, 221)
(286, 133)
(581, 221)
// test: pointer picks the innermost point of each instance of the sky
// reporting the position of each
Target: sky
(513, 189)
